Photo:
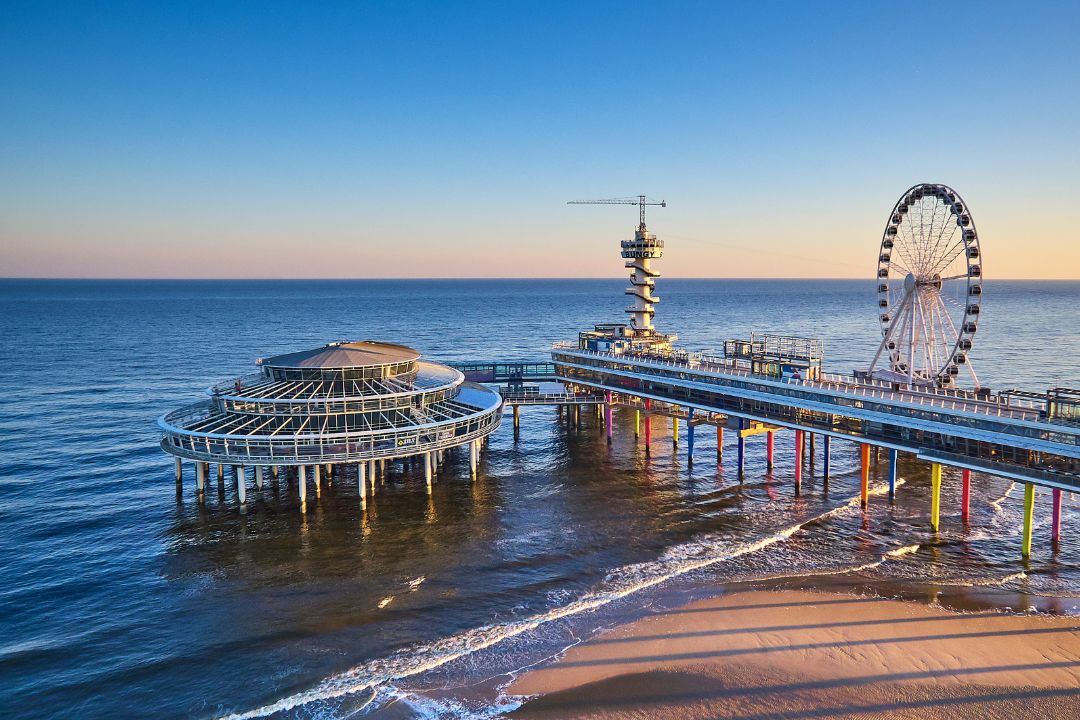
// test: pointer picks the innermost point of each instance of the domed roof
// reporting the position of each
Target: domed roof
(345, 355)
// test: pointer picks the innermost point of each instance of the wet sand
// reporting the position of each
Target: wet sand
(796, 654)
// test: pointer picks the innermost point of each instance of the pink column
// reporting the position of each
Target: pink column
(607, 414)
(768, 450)
(965, 495)
(648, 426)
(1055, 525)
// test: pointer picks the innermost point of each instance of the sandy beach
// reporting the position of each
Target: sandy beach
(795, 654)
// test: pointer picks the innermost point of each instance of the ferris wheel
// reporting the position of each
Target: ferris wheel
(929, 290)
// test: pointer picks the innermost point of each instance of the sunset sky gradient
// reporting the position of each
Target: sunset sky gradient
(276, 140)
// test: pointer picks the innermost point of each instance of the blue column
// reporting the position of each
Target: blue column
(690, 435)
(828, 455)
(742, 447)
(892, 474)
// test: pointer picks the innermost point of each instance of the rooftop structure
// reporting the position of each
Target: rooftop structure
(346, 402)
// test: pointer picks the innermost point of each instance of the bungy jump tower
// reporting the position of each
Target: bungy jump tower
(639, 335)
(347, 403)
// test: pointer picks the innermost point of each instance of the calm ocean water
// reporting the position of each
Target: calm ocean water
(120, 599)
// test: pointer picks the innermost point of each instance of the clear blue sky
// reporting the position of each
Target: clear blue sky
(436, 139)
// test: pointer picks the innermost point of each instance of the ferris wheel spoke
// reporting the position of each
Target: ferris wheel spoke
(954, 277)
(949, 255)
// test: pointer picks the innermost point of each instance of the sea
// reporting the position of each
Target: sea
(121, 598)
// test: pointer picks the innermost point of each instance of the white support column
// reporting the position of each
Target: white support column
(473, 452)
(361, 481)
(301, 483)
(241, 484)
(275, 470)
(318, 480)
(200, 477)
(259, 477)
(221, 473)
(428, 471)
(179, 471)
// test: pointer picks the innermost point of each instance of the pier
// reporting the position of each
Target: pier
(365, 404)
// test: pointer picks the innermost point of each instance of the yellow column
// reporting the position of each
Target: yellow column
(935, 495)
(637, 423)
(675, 431)
(1029, 515)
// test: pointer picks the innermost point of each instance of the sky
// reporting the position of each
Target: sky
(364, 139)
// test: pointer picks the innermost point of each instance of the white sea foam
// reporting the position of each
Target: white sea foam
(679, 560)
(1003, 498)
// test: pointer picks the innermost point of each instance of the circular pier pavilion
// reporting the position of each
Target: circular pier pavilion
(347, 403)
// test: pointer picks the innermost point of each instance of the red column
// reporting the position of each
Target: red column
(798, 458)
(1055, 521)
(965, 494)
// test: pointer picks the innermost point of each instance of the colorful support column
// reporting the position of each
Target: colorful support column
(719, 444)
(648, 427)
(828, 459)
(965, 494)
(769, 450)
(607, 415)
(361, 482)
(892, 473)
(675, 432)
(517, 420)
(864, 482)
(1055, 518)
(798, 459)
(690, 436)
(1029, 516)
(742, 448)
(935, 495)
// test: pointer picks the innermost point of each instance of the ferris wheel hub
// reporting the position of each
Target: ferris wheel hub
(910, 282)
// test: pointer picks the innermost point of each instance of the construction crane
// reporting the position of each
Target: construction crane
(641, 201)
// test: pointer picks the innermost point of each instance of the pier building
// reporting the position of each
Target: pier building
(347, 403)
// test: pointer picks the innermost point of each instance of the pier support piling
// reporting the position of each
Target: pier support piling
(798, 459)
(361, 482)
(1029, 516)
(1055, 517)
(864, 475)
(719, 444)
(517, 420)
(607, 415)
(318, 479)
(811, 450)
(827, 465)
(301, 485)
(474, 452)
(648, 427)
(742, 449)
(179, 471)
(201, 469)
(935, 495)
(220, 473)
(965, 494)
(275, 470)
(674, 432)
(259, 477)
(241, 484)
(428, 469)
(637, 423)
(690, 437)
(892, 474)
(769, 450)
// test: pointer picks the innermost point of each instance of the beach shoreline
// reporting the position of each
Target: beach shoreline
(752, 652)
